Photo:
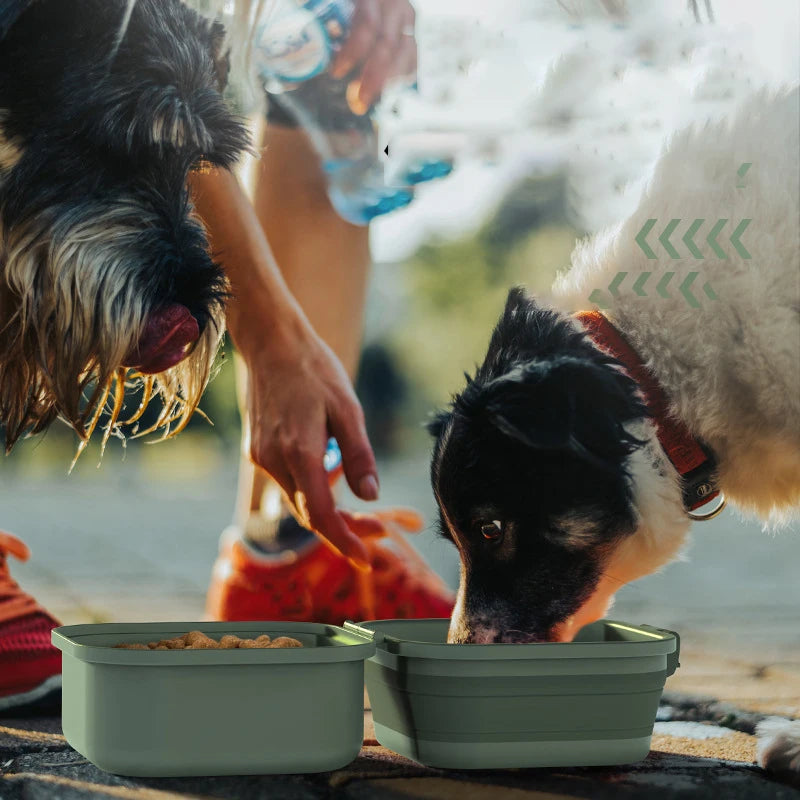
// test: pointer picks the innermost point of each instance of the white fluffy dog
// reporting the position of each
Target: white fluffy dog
(732, 368)
(575, 458)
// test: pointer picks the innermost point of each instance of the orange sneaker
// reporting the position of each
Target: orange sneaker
(30, 667)
(316, 584)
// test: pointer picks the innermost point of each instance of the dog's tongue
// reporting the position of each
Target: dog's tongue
(167, 337)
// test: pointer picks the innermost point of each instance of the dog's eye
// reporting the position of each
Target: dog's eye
(493, 531)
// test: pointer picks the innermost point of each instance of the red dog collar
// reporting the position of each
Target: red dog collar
(694, 462)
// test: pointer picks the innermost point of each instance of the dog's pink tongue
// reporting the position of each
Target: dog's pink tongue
(166, 340)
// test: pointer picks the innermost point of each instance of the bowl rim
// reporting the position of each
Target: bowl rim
(651, 641)
(339, 644)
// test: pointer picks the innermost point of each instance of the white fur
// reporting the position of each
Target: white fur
(779, 746)
(732, 367)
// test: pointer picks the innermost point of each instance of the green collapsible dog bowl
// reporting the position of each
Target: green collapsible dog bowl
(160, 713)
(592, 701)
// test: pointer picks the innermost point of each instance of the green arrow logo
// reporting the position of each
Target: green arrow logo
(641, 238)
(664, 238)
(662, 284)
(741, 171)
(613, 287)
(737, 245)
(712, 238)
(638, 286)
(688, 238)
(600, 298)
(685, 289)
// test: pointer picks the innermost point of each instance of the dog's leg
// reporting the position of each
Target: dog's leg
(779, 747)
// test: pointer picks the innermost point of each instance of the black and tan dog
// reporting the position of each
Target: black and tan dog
(105, 108)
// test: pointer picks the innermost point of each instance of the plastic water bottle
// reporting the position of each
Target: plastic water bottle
(294, 46)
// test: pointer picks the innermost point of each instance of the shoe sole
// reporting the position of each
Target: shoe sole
(43, 695)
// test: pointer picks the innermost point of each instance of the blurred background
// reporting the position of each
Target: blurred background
(556, 111)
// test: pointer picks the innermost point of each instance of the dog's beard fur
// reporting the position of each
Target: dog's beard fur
(59, 354)
(97, 232)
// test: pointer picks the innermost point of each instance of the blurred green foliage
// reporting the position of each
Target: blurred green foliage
(457, 288)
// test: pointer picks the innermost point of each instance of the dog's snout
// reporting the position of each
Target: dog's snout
(497, 626)
(475, 635)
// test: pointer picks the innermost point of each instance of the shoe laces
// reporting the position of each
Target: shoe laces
(396, 524)
(14, 603)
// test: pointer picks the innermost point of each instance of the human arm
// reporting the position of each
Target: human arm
(299, 394)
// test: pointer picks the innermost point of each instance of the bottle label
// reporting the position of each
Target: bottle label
(293, 48)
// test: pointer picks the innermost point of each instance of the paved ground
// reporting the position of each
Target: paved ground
(136, 540)
(689, 759)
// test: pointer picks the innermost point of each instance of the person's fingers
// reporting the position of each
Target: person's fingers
(381, 63)
(261, 458)
(406, 60)
(363, 525)
(314, 499)
(376, 72)
(348, 426)
(366, 25)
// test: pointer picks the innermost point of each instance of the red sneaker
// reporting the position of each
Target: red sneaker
(30, 667)
(317, 584)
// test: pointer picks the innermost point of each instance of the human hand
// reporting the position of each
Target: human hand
(298, 396)
(382, 41)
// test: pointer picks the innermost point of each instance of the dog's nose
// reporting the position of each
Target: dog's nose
(167, 339)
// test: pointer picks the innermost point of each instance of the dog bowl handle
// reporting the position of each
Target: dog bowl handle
(673, 659)
(364, 633)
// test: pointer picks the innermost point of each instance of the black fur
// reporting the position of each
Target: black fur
(94, 118)
(537, 434)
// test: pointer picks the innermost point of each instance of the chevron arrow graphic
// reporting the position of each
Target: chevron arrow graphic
(686, 291)
(741, 171)
(662, 284)
(712, 238)
(664, 238)
(638, 287)
(641, 237)
(613, 287)
(688, 238)
(736, 235)
(712, 295)
(598, 299)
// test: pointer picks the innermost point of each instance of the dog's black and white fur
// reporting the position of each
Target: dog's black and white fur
(548, 473)
(105, 107)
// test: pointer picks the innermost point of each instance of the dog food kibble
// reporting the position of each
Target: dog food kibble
(197, 640)
(286, 641)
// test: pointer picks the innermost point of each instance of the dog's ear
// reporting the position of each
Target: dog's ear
(163, 93)
(437, 423)
(511, 332)
(526, 331)
(564, 404)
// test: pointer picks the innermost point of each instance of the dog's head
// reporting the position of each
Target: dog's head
(105, 108)
(535, 469)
